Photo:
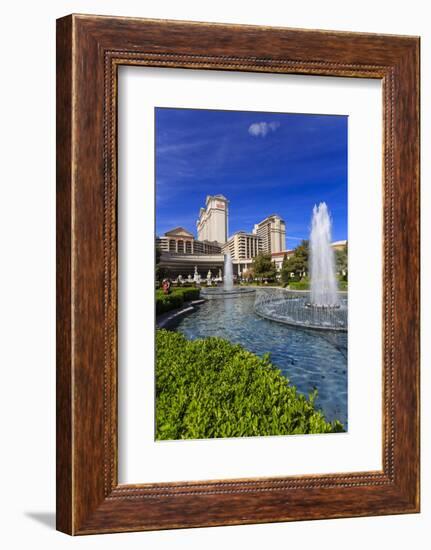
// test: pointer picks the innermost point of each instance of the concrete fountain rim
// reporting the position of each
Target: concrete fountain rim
(299, 325)
(222, 293)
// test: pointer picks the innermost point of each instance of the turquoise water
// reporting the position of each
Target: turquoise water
(309, 359)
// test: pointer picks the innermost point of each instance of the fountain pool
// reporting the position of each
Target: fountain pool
(309, 359)
(323, 308)
(305, 332)
(228, 290)
(295, 308)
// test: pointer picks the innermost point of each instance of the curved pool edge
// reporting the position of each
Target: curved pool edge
(165, 320)
(282, 298)
(220, 294)
(299, 325)
(301, 354)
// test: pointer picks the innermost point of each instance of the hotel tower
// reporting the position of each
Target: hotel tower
(213, 219)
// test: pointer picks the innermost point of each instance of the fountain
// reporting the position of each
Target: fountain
(324, 288)
(228, 273)
(324, 307)
(228, 290)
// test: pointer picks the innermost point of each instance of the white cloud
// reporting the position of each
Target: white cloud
(261, 129)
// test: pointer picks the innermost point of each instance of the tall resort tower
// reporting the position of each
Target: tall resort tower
(213, 219)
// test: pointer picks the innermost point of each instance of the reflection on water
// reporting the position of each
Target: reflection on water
(309, 359)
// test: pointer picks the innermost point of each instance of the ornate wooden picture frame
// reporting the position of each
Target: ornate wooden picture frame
(89, 51)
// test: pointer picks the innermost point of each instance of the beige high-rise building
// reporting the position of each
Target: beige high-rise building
(272, 231)
(243, 246)
(212, 222)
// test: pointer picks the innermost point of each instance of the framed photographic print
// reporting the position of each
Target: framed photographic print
(237, 274)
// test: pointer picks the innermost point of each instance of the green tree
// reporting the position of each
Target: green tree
(296, 264)
(341, 261)
(249, 275)
(263, 266)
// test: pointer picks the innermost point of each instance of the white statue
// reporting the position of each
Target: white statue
(196, 277)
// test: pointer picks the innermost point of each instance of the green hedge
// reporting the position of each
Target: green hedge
(299, 285)
(305, 285)
(174, 300)
(211, 388)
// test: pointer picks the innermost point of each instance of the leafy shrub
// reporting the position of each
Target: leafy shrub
(299, 285)
(211, 388)
(166, 302)
(305, 285)
(174, 300)
(189, 293)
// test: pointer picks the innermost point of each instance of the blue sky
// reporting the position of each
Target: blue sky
(264, 163)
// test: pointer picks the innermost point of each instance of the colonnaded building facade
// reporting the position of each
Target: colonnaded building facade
(181, 252)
